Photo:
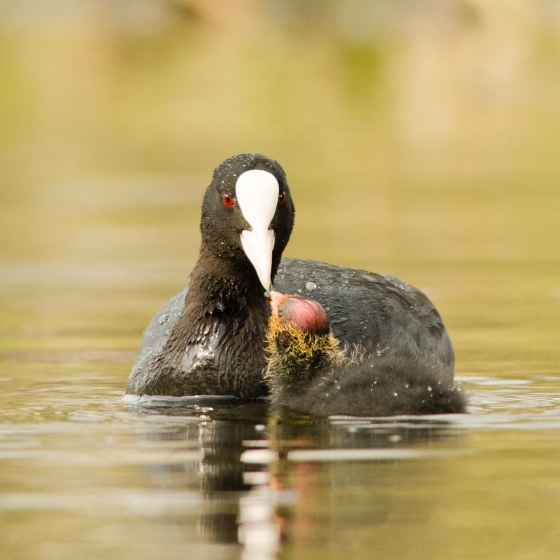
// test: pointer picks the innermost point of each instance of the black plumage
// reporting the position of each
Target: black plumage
(371, 310)
(209, 338)
(310, 371)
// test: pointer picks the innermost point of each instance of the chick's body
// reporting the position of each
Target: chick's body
(312, 372)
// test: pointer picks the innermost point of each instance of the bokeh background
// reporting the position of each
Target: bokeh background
(421, 138)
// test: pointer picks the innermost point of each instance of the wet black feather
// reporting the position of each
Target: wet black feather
(209, 339)
(308, 372)
(216, 344)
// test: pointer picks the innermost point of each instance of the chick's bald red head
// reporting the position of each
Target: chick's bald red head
(306, 314)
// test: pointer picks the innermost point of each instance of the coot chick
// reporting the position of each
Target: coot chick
(371, 310)
(311, 371)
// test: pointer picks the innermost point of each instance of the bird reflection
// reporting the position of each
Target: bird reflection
(256, 497)
(239, 505)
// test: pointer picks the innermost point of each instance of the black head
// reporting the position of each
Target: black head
(226, 214)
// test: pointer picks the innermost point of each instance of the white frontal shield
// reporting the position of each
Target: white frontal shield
(257, 195)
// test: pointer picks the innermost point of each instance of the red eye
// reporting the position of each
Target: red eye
(228, 200)
(282, 198)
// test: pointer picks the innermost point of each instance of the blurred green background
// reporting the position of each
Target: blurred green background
(420, 139)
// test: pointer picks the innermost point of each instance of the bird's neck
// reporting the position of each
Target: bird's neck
(222, 283)
(224, 296)
(295, 357)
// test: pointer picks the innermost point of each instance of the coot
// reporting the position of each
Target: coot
(310, 371)
(209, 338)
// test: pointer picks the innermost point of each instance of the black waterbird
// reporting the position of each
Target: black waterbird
(310, 371)
(210, 337)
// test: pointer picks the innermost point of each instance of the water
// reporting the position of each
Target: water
(422, 145)
(100, 476)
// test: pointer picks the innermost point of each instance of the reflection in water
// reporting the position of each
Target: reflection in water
(258, 529)
(276, 479)
(212, 479)
(256, 467)
(338, 462)
(232, 474)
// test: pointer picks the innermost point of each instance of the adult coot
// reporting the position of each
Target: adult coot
(209, 338)
(308, 370)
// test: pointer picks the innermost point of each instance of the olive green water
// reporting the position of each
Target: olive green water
(422, 144)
